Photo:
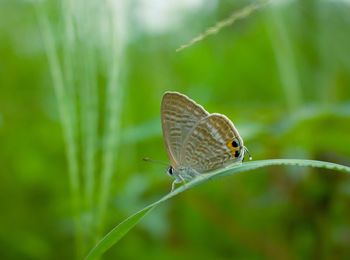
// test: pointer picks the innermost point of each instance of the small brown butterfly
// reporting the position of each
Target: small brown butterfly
(197, 142)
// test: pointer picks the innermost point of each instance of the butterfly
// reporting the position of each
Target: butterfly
(197, 142)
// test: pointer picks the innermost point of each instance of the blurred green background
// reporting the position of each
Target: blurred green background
(282, 75)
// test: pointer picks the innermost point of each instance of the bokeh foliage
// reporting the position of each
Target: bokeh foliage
(282, 75)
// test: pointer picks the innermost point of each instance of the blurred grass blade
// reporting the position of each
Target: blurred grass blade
(119, 231)
(282, 43)
(116, 21)
(67, 117)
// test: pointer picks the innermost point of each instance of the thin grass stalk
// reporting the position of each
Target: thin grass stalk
(68, 64)
(325, 73)
(235, 16)
(89, 100)
(70, 67)
(89, 110)
(65, 112)
(113, 107)
(286, 64)
(92, 111)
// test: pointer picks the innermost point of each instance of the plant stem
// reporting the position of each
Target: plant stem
(113, 107)
(66, 112)
(285, 59)
(235, 16)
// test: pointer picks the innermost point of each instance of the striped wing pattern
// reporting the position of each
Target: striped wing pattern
(179, 114)
(205, 148)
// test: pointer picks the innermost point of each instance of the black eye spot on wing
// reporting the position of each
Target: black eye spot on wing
(235, 143)
(237, 153)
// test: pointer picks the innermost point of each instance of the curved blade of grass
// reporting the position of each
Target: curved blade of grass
(119, 231)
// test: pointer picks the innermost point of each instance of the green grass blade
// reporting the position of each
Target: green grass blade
(282, 43)
(119, 231)
(113, 106)
(67, 117)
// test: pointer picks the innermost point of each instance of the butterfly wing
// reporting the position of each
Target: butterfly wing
(209, 144)
(178, 116)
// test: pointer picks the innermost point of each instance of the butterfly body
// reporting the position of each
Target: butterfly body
(181, 174)
(197, 142)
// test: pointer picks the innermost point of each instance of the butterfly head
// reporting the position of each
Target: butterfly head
(170, 171)
(174, 174)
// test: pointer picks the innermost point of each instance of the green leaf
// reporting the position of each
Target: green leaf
(119, 231)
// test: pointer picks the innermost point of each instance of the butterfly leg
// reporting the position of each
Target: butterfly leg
(183, 180)
(178, 179)
(173, 185)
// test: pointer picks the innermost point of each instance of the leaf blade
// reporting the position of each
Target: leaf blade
(117, 233)
(124, 227)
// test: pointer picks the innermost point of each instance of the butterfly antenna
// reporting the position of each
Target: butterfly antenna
(246, 149)
(150, 160)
